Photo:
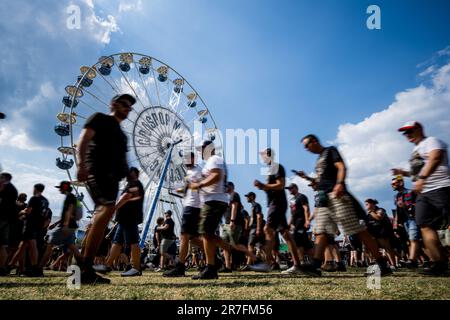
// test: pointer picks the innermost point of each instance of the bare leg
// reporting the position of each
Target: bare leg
(432, 244)
(370, 243)
(116, 249)
(96, 232)
(291, 246)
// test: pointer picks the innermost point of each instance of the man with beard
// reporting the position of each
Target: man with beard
(102, 164)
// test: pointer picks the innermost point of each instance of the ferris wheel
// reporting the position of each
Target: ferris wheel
(168, 120)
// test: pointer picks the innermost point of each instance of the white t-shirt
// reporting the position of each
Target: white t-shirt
(440, 178)
(216, 191)
(192, 197)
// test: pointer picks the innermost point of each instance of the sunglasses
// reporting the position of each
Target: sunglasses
(409, 131)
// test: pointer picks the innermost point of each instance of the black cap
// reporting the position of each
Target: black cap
(250, 194)
(63, 184)
(124, 96)
(292, 185)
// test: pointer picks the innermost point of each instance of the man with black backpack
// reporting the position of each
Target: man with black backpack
(66, 227)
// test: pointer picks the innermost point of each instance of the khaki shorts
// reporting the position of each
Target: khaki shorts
(165, 245)
(339, 212)
(231, 236)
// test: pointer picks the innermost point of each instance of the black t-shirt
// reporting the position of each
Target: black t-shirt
(70, 200)
(40, 211)
(405, 201)
(276, 197)
(131, 211)
(155, 232)
(169, 233)
(297, 210)
(8, 197)
(239, 220)
(256, 209)
(106, 154)
(326, 170)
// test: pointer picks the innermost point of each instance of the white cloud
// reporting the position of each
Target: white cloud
(373, 146)
(125, 6)
(15, 133)
(99, 29)
(25, 176)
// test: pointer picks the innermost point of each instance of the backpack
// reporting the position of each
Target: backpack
(78, 214)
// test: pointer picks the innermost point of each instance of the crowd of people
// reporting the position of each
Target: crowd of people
(217, 234)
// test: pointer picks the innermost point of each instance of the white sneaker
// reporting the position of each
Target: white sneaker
(158, 269)
(131, 273)
(261, 267)
(292, 270)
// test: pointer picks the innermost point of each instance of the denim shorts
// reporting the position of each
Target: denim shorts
(412, 229)
(128, 234)
(62, 236)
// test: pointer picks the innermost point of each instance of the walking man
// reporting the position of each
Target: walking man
(300, 221)
(256, 226)
(129, 216)
(405, 202)
(276, 214)
(64, 234)
(429, 170)
(215, 202)
(191, 217)
(8, 197)
(335, 206)
(102, 164)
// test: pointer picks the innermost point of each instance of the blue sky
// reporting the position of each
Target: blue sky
(298, 66)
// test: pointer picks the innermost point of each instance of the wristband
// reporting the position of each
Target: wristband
(422, 177)
(340, 182)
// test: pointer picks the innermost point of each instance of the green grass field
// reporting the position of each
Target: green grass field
(236, 286)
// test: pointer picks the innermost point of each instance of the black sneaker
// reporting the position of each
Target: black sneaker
(311, 270)
(179, 271)
(225, 270)
(436, 269)
(330, 266)
(90, 277)
(341, 267)
(207, 274)
(382, 265)
(410, 264)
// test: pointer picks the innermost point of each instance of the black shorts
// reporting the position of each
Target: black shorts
(301, 239)
(253, 239)
(433, 208)
(210, 217)
(190, 221)
(276, 217)
(277, 243)
(31, 232)
(355, 243)
(330, 240)
(103, 189)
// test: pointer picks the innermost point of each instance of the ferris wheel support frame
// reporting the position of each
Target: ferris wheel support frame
(156, 196)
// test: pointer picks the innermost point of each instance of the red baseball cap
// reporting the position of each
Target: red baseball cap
(410, 125)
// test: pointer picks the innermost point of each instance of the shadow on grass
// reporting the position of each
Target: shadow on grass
(6, 285)
(197, 284)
